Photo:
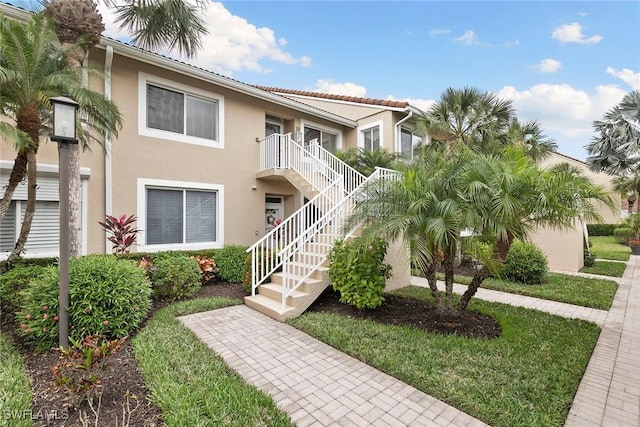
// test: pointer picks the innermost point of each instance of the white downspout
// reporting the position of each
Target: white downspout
(108, 190)
(397, 143)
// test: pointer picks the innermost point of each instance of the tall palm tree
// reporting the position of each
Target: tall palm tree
(531, 138)
(32, 70)
(500, 197)
(466, 118)
(616, 148)
(154, 24)
(628, 185)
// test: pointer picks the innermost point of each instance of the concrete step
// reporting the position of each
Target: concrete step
(274, 291)
(271, 308)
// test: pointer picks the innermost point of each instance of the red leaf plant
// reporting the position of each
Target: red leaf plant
(123, 233)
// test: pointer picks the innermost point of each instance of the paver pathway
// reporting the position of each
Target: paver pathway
(314, 383)
(553, 307)
(609, 393)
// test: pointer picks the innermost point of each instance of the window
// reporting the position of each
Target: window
(370, 136)
(45, 228)
(328, 140)
(183, 216)
(173, 111)
(409, 143)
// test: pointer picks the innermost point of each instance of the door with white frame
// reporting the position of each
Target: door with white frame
(273, 212)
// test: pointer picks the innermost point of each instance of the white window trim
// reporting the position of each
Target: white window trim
(329, 129)
(144, 183)
(144, 79)
(368, 126)
(413, 134)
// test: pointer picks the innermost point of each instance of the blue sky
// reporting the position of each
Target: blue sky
(563, 63)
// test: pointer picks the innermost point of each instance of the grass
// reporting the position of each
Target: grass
(606, 268)
(606, 247)
(190, 383)
(15, 387)
(586, 292)
(528, 376)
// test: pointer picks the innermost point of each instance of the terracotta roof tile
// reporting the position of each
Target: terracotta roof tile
(359, 100)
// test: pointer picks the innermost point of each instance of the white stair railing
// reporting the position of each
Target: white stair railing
(352, 178)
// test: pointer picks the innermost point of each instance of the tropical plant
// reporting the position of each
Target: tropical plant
(633, 222)
(499, 197)
(530, 138)
(627, 184)
(466, 118)
(123, 233)
(153, 24)
(366, 161)
(616, 147)
(32, 70)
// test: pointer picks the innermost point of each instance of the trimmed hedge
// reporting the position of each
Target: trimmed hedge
(525, 263)
(601, 229)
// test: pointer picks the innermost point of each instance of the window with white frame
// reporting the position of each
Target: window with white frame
(370, 136)
(409, 143)
(327, 139)
(45, 228)
(173, 111)
(180, 216)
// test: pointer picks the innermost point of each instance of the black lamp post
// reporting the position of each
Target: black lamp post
(64, 132)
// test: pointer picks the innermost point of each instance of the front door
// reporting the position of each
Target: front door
(273, 212)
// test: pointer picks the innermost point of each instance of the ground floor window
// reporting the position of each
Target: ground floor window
(44, 237)
(180, 216)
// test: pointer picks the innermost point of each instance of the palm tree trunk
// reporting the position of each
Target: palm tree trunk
(32, 176)
(18, 173)
(477, 280)
(448, 279)
(429, 273)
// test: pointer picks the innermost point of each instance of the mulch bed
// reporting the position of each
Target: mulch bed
(122, 383)
(120, 386)
(396, 310)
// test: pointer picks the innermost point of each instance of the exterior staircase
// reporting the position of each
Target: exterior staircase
(289, 265)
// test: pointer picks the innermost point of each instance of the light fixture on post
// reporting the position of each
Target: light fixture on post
(64, 133)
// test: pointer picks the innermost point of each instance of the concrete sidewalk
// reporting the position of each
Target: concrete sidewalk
(609, 393)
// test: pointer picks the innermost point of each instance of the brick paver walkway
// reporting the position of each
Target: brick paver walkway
(318, 385)
(609, 393)
(558, 308)
(314, 383)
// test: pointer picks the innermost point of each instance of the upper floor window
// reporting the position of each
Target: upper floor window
(327, 139)
(370, 136)
(176, 112)
(409, 143)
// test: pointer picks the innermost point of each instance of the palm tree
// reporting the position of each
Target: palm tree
(32, 70)
(628, 185)
(530, 137)
(154, 24)
(500, 197)
(466, 118)
(616, 148)
(366, 161)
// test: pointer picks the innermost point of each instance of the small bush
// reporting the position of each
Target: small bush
(12, 283)
(175, 276)
(208, 268)
(247, 277)
(231, 263)
(623, 234)
(589, 259)
(601, 229)
(525, 263)
(107, 296)
(358, 272)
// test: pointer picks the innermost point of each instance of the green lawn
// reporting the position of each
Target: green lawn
(528, 376)
(594, 293)
(15, 387)
(606, 247)
(606, 268)
(190, 383)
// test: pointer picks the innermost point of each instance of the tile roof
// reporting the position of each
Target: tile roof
(356, 99)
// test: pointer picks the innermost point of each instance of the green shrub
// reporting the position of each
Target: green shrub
(589, 259)
(231, 263)
(247, 277)
(358, 272)
(525, 263)
(175, 276)
(25, 262)
(601, 229)
(623, 234)
(107, 296)
(12, 283)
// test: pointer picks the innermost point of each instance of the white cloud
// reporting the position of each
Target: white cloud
(336, 88)
(468, 38)
(423, 104)
(439, 31)
(627, 76)
(548, 65)
(562, 108)
(232, 44)
(572, 33)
